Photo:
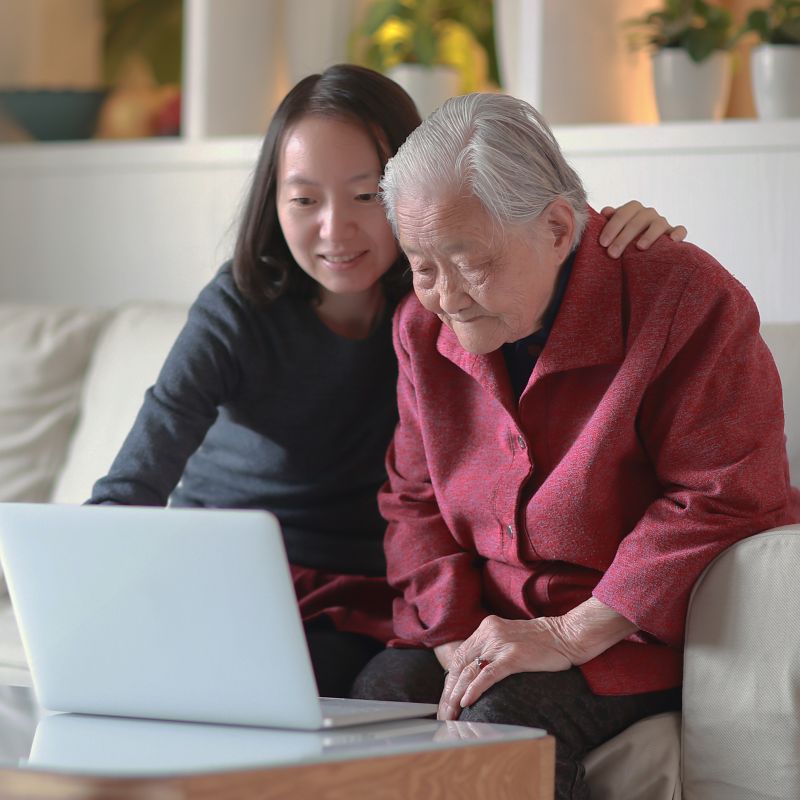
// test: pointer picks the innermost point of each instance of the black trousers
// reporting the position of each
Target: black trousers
(337, 656)
(559, 702)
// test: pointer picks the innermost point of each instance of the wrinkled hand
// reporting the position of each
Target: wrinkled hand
(633, 220)
(507, 646)
(444, 653)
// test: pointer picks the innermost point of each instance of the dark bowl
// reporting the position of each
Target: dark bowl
(53, 114)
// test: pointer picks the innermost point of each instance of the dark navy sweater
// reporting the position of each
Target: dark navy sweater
(268, 409)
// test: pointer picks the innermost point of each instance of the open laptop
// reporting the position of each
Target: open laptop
(178, 614)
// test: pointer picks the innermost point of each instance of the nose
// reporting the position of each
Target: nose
(337, 222)
(453, 299)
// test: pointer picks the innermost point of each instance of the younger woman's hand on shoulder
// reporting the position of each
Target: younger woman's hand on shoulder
(633, 221)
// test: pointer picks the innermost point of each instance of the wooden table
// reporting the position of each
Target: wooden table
(75, 756)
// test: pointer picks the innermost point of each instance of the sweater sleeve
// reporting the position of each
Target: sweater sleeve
(712, 423)
(439, 581)
(200, 372)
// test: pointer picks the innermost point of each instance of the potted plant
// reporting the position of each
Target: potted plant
(427, 46)
(691, 40)
(775, 62)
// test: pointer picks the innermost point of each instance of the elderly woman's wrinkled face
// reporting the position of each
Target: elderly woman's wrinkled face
(490, 285)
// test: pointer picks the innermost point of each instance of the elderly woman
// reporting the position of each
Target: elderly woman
(578, 438)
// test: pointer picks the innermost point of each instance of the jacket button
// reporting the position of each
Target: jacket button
(510, 530)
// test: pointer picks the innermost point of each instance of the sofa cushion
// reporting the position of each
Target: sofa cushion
(784, 342)
(641, 763)
(44, 353)
(126, 361)
(741, 690)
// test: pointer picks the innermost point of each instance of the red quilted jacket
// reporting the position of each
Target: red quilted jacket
(649, 438)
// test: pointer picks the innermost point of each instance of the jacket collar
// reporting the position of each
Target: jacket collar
(587, 330)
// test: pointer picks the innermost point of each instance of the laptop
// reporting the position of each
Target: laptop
(175, 614)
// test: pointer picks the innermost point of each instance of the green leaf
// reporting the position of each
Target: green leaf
(151, 28)
(696, 25)
(677, 8)
(790, 31)
(758, 21)
(699, 44)
(380, 12)
(374, 57)
(718, 17)
(424, 42)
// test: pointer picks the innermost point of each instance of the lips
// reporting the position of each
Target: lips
(342, 261)
(466, 320)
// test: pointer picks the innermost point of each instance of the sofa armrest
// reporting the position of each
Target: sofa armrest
(741, 692)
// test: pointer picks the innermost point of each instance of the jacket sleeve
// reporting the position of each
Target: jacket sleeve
(439, 581)
(198, 375)
(712, 422)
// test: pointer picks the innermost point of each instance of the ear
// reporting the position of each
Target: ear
(559, 222)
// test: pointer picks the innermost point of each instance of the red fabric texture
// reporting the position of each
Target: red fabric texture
(649, 438)
(354, 603)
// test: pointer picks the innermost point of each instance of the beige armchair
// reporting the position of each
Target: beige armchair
(738, 737)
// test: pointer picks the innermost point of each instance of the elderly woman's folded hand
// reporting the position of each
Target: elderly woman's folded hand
(502, 647)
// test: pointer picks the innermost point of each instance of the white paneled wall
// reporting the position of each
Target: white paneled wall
(734, 185)
(102, 224)
(106, 223)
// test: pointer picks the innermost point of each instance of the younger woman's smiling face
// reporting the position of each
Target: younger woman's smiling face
(328, 207)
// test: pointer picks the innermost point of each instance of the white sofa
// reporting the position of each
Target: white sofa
(71, 381)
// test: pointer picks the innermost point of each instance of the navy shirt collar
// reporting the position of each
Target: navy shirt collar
(521, 356)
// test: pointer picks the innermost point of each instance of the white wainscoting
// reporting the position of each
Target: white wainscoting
(735, 185)
(104, 223)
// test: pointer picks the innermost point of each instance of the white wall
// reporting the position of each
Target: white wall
(571, 59)
(734, 185)
(242, 56)
(45, 44)
(107, 223)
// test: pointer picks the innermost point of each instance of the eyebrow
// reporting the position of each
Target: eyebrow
(459, 247)
(454, 247)
(300, 180)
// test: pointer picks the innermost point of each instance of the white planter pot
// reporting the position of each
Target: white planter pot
(688, 90)
(429, 87)
(775, 72)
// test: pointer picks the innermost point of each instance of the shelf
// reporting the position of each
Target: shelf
(731, 136)
(734, 135)
(121, 155)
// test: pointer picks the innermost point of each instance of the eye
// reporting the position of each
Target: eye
(366, 197)
(475, 273)
(300, 201)
(422, 274)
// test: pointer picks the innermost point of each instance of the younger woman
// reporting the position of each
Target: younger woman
(279, 392)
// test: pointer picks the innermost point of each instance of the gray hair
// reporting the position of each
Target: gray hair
(494, 145)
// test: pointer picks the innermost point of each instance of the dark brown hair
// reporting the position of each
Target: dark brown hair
(263, 267)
